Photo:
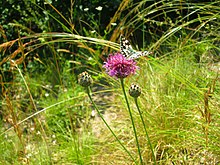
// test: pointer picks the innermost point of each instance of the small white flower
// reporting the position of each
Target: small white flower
(90, 58)
(18, 96)
(99, 8)
(48, 86)
(6, 136)
(28, 147)
(47, 94)
(93, 114)
(113, 24)
(86, 9)
(93, 31)
(54, 142)
(29, 155)
(80, 7)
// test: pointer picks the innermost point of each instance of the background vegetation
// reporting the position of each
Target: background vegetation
(47, 118)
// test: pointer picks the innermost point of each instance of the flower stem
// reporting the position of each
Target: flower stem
(98, 111)
(148, 139)
(134, 129)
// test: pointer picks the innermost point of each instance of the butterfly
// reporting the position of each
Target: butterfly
(128, 52)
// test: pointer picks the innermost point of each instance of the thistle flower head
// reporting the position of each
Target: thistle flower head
(135, 90)
(118, 66)
(84, 79)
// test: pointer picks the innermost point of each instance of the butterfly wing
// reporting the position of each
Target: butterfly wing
(125, 47)
(138, 54)
(127, 50)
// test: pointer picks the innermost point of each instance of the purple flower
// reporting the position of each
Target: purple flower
(118, 66)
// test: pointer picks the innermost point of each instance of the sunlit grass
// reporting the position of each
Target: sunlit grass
(47, 117)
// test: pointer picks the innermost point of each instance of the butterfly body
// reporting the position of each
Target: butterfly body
(128, 52)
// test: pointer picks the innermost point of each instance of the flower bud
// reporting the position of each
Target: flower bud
(84, 79)
(135, 90)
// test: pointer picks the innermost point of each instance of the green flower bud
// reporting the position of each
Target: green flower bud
(135, 90)
(84, 79)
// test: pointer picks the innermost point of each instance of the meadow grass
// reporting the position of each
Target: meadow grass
(47, 117)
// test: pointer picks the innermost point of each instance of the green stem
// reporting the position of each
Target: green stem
(93, 103)
(134, 129)
(142, 120)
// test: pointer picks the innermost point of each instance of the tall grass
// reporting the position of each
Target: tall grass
(47, 117)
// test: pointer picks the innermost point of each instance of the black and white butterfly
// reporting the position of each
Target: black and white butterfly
(128, 52)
